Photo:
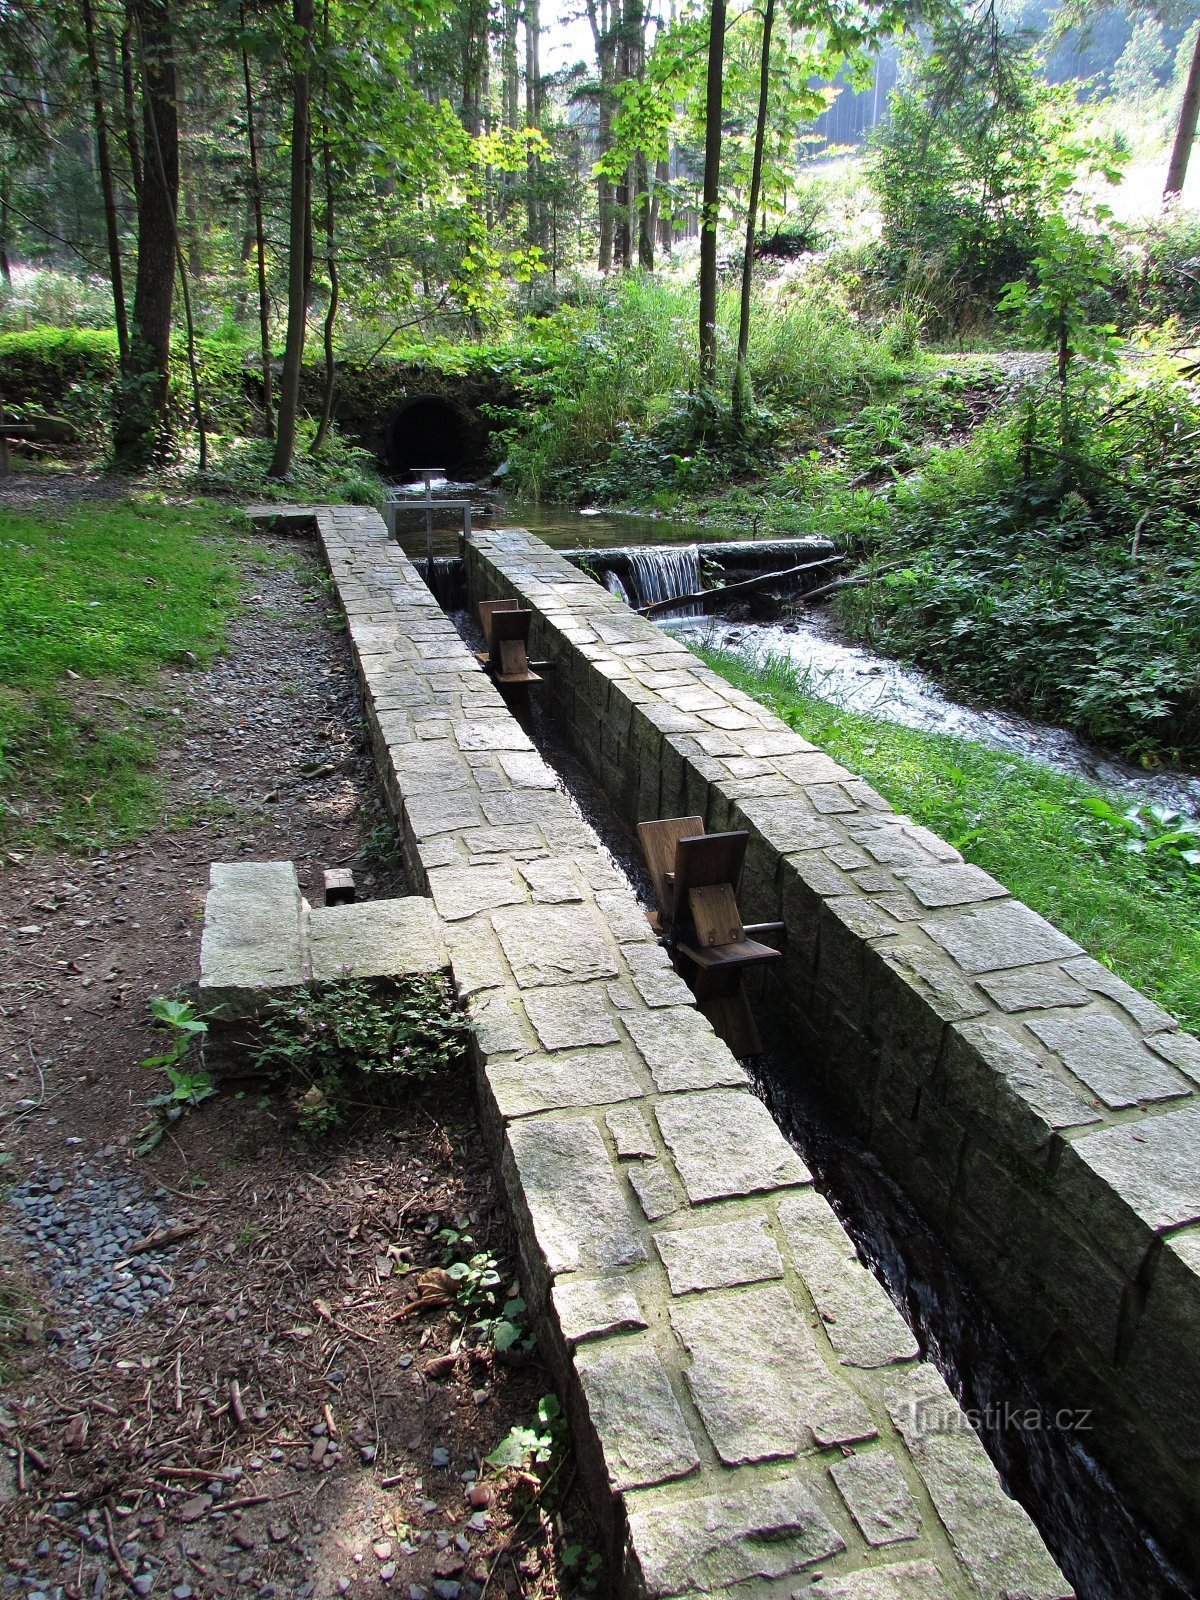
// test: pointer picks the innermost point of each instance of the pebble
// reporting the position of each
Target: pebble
(441, 1456)
(76, 1226)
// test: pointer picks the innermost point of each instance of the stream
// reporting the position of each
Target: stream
(847, 675)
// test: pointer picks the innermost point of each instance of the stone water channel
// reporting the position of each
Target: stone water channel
(1103, 1546)
(916, 993)
(750, 1413)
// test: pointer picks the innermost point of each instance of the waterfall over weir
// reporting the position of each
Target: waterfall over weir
(662, 572)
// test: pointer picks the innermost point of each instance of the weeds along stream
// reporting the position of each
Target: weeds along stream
(1101, 1546)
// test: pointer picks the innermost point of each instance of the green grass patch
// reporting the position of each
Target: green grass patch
(94, 598)
(1026, 824)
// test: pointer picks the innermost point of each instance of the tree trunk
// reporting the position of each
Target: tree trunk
(474, 55)
(107, 188)
(605, 46)
(143, 401)
(1185, 133)
(331, 310)
(5, 263)
(299, 235)
(535, 210)
(741, 378)
(711, 203)
(129, 98)
(260, 244)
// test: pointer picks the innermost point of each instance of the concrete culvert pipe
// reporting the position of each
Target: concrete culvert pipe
(431, 431)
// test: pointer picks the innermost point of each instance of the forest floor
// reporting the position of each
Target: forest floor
(246, 1409)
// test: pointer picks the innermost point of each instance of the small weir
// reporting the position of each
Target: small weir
(1104, 1549)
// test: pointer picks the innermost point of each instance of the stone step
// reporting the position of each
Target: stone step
(262, 937)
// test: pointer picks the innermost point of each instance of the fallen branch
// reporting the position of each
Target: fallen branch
(162, 1237)
(850, 583)
(746, 586)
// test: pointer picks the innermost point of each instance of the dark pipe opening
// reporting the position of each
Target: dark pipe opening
(430, 431)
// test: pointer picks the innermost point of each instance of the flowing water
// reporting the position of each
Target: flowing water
(663, 572)
(858, 680)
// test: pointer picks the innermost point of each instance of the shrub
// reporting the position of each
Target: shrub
(359, 1041)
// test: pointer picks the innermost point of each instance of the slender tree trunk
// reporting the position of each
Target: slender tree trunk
(107, 187)
(331, 309)
(535, 210)
(143, 402)
(193, 369)
(711, 203)
(299, 235)
(5, 263)
(741, 378)
(474, 55)
(664, 223)
(129, 99)
(260, 245)
(605, 46)
(1185, 133)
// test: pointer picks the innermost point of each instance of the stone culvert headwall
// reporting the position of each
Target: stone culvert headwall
(371, 402)
(1040, 1112)
(750, 1412)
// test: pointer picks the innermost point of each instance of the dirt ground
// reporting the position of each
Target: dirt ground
(245, 1405)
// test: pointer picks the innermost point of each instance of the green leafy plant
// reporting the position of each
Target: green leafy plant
(189, 1085)
(533, 1446)
(1153, 830)
(478, 1281)
(358, 1041)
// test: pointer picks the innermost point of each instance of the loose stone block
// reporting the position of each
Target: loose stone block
(863, 1325)
(1127, 1181)
(546, 1082)
(496, 1026)
(573, 1015)
(376, 939)
(990, 1075)
(500, 733)
(629, 1132)
(701, 1545)
(636, 1416)
(681, 1050)
(555, 944)
(653, 976)
(1096, 976)
(990, 1533)
(460, 892)
(999, 936)
(552, 881)
(1034, 989)
(654, 1189)
(1181, 1049)
(591, 1308)
(877, 1497)
(725, 1143)
(579, 1216)
(719, 1255)
(1112, 1061)
(252, 935)
(952, 885)
(911, 1580)
(757, 1379)
(527, 770)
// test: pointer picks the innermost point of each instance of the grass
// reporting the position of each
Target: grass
(93, 599)
(1022, 822)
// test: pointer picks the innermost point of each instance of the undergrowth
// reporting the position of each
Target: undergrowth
(1039, 832)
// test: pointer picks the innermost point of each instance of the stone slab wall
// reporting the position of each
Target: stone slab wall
(749, 1410)
(1040, 1112)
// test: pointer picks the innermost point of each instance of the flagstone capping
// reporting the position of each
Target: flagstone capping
(708, 1471)
(1040, 1112)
